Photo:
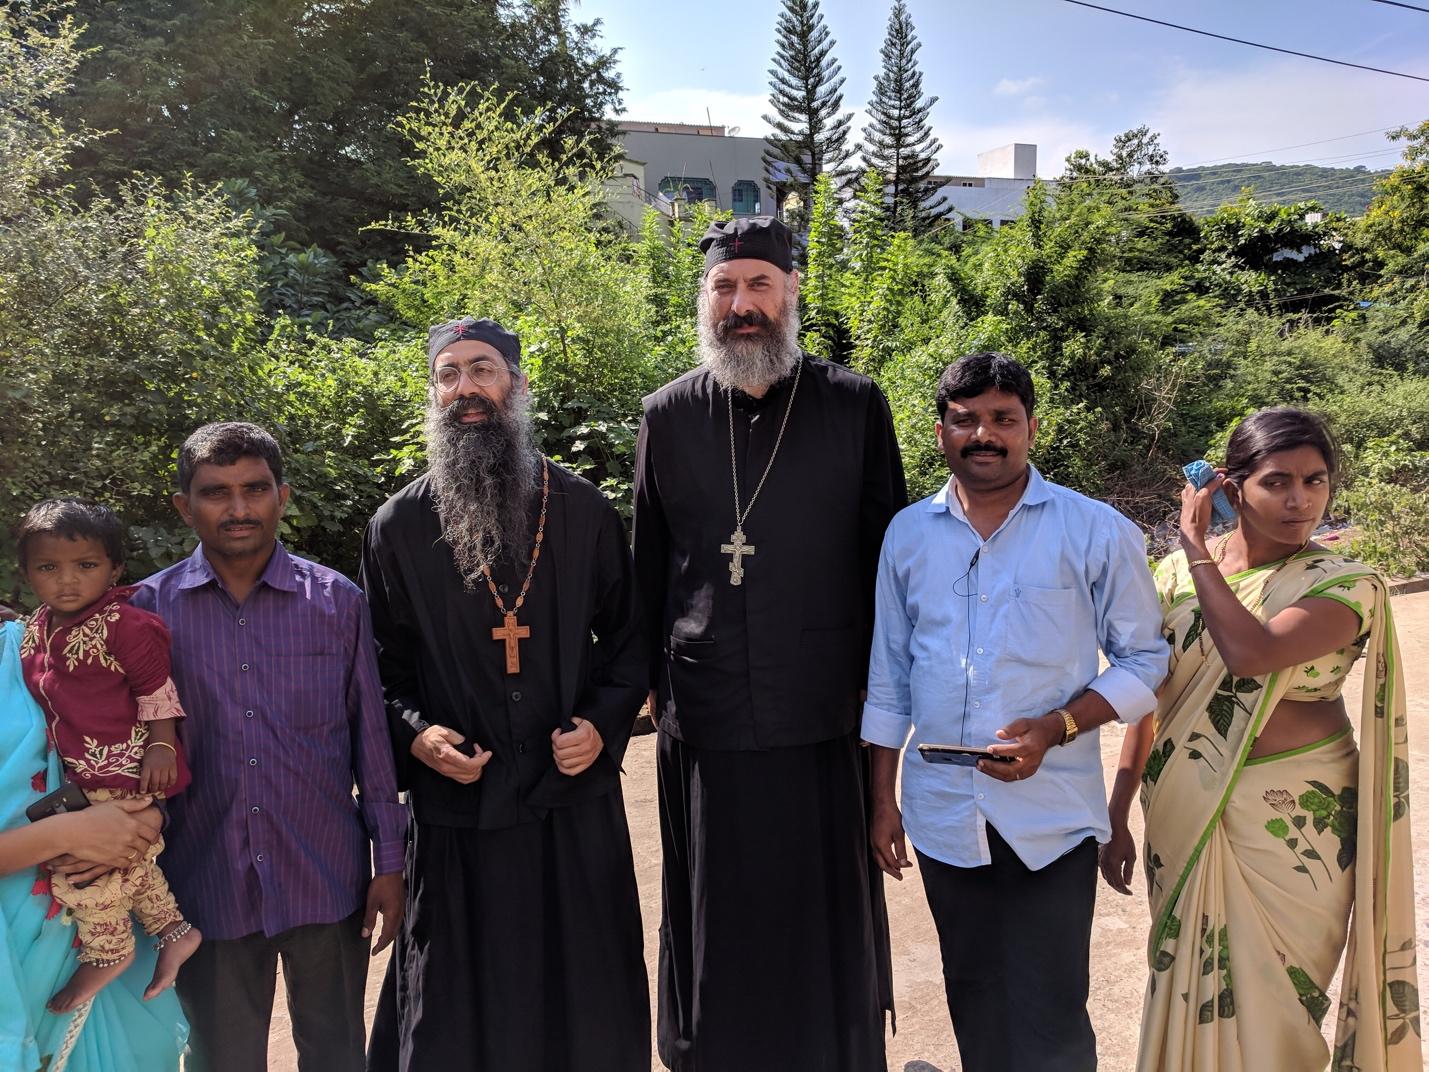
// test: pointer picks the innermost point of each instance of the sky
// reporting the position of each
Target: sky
(1060, 76)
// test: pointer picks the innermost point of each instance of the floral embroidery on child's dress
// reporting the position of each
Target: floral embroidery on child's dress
(107, 760)
(89, 641)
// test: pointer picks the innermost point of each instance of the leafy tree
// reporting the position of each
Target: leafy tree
(821, 287)
(1394, 236)
(1284, 259)
(898, 140)
(809, 127)
(299, 99)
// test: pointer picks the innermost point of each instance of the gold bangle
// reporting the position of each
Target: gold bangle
(1200, 562)
(161, 744)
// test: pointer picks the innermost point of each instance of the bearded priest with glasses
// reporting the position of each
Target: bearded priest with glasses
(510, 648)
(764, 481)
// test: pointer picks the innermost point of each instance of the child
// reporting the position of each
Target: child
(99, 670)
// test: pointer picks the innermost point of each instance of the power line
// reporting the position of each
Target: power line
(1299, 145)
(1396, 3)
(1252, 44)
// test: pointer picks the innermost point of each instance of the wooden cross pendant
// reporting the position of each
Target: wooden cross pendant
(736, 549)
(511, 634)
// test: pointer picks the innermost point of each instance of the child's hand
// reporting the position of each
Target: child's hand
(159, 771)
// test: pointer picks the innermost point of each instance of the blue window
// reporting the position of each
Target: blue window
(688, 187)
(744, 198)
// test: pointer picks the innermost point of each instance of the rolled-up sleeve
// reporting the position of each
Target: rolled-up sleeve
(373, 764)
(1128, 619)
(888, 712)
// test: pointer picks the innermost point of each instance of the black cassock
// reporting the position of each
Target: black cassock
(522, 946)
(774, 937)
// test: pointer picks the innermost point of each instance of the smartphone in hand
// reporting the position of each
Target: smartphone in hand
(959, 756)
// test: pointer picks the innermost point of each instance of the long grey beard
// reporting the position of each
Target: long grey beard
(750, 363)
(483, 476)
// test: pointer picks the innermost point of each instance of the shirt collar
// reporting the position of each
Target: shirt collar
(1035, 492)
(277, 574)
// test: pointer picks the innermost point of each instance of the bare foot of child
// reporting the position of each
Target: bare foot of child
(87, 980)
(171, 958)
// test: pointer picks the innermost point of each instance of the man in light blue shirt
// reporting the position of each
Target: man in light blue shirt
(994, 597)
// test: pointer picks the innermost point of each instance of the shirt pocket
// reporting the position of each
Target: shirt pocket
(1044, 626)
(311, 690)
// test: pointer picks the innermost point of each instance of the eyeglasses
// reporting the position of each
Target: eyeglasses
(482, 374)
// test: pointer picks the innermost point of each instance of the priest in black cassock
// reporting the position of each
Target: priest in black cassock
(764, 481)
(508, 631)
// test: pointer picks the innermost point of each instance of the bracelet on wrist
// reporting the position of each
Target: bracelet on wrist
(161, 744)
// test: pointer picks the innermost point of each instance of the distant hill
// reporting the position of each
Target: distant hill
(1347, 190)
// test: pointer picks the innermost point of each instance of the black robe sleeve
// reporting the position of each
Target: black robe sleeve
(397, 644)
(616, 683)
(651, 545)
(885, 492)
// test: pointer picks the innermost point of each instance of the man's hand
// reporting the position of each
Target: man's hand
(105, 837)
(886, 834)
(436, 747)
(385, 894)
(1028, 740)
(1117, 859)
(650, 706)
(576, 749)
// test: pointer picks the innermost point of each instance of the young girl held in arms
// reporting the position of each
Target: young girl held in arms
(99, 670)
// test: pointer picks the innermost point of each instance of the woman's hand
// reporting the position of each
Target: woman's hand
(1196, 515)
(115, 834)
(1117, 859)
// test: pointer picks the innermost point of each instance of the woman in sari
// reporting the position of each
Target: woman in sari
(117, 1031)
(1266, 821)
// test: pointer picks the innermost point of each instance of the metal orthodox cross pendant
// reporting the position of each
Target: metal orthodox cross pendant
(511, 634)
(736, 549)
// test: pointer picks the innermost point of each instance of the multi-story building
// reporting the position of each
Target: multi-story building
(994, 195)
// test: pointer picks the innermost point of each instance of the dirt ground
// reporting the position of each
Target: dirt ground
(924, 1042)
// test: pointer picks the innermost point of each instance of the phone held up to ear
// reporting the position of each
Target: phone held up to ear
(1200, 473)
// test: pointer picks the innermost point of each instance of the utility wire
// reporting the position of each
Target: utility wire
(1396, 3)
(1253, 44)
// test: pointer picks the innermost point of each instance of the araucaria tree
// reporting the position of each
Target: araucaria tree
(899, 142)
(810, 128)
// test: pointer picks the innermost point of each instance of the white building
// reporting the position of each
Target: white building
(995, 194)
(670, 165)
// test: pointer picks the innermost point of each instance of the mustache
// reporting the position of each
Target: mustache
(229, 526)
(983, 448)
(462, 406)
(752, 319)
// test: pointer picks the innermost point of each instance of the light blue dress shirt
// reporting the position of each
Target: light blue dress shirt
(972, 634)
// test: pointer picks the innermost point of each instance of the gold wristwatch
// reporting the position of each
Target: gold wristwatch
(1069, 722)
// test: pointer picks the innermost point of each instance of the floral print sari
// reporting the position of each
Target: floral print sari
(1254, 866)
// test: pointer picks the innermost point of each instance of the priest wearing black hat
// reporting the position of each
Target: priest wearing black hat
(764, 481)
(510, 647)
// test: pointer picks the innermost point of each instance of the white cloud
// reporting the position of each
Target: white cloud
(1015, 87)
(1270, 112)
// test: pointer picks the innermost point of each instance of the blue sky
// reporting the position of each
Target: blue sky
(1062, 76)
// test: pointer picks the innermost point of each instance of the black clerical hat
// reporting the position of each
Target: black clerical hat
(761, 238)
(440, 336)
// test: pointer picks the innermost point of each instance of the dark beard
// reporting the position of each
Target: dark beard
(749, 362)
(483, 477)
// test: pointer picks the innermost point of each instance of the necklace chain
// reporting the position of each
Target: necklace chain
(740, 516)
(1220, 553)
(535, 550)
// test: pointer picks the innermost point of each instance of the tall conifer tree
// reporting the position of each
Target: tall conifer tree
(899, 140)
(810, 128)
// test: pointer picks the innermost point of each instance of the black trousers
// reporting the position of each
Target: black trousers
(227, 987)
(1015, 946)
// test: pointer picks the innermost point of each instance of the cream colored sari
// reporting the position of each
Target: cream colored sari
(1254, 865)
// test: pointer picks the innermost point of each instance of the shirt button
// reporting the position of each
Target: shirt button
(247, 714)
(501, 588)
(977, 703)
(521, 749)
(259, 857)
(242, 621)
(243, 667)
(255, 809)
(983, 598)
(979, 651)
(253, 762)
(516, 695)
(979, 796)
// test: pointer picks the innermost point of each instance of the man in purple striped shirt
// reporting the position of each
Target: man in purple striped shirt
(268, 850)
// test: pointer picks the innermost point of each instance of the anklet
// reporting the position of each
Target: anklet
(173, 936)
(104, 962)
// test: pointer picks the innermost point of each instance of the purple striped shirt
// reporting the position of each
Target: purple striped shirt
(285, 712)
